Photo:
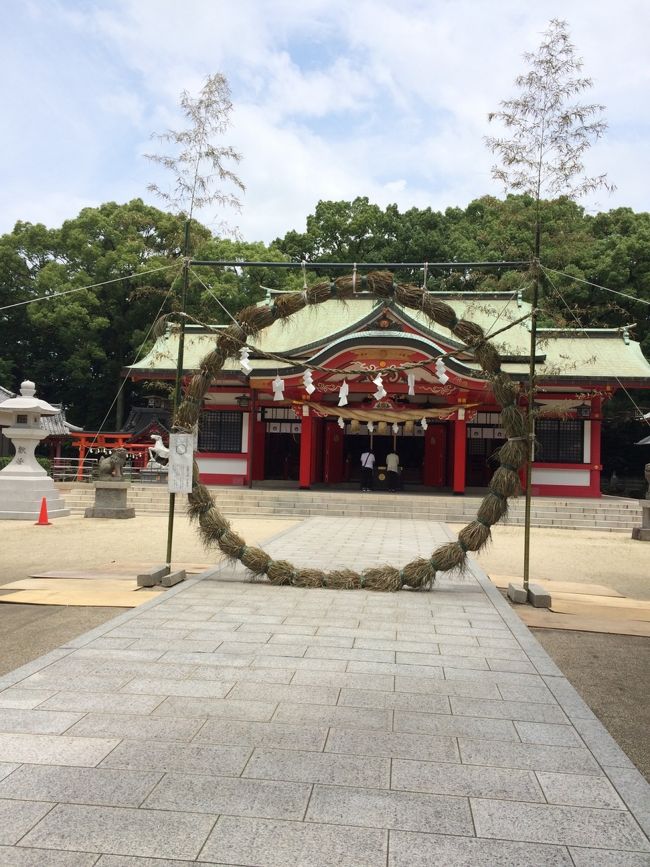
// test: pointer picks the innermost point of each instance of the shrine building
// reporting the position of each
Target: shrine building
(445, 431)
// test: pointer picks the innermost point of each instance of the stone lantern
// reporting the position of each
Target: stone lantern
(24, 482)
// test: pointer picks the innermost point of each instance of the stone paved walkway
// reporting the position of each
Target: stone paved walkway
(231, 723)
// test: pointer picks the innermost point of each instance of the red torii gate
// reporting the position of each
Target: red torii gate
(108, 441)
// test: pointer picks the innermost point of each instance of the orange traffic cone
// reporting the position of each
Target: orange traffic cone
(42, 518)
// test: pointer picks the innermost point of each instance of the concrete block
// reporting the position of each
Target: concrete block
(584, 857)
(100, 702)
(95, 512)
(273, 735)
(547, 733)
(529, 757)
(538, 596)
(111, 788)
(122, 831)
(376, 809)
(173, 578)
(48, 722)
(451, 725)
(580, 790)
(514, 710)
(95, 726)
(411, 849)
(471, 781)
(178, 707)
(295, 693)
(7, 768)
(28, 857)
(516, 593)
(55, 749)
(152, 576)
(602, 744)
(110, 501)
(545, 823)
(308, 714)
(371, 698)
(372, 772)
(640, 534)
(196, 793)
(402, 743)
(156, 755)
(17, 817)
(277, 843)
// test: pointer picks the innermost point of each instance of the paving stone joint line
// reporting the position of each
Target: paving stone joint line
(257, 738)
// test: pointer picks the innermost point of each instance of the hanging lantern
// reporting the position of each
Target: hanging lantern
(244, 355)
(408, 428)
(382, 428)
(344, 390)
(278, 388)
(410, 378)
(308, 382)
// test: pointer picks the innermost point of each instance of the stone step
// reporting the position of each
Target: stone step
(617, 515)
(448, 518)
(386, 500)
(383, 498)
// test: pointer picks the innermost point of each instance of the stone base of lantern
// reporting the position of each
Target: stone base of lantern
(642, 533)
(20, 498)
(110, 501)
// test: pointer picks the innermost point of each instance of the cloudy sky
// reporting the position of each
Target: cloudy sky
(333, 98)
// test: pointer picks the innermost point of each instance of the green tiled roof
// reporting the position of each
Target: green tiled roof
(594, 354)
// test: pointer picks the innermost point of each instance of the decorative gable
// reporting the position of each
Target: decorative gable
(384, 321)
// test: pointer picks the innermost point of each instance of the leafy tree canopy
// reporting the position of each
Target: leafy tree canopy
(76, 345)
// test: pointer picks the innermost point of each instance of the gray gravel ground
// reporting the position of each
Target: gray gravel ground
(29, 631)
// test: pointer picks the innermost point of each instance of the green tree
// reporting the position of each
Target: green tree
(355, 231)
(76, 345)
(218, 292)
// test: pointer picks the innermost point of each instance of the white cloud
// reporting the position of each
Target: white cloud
(332, 99)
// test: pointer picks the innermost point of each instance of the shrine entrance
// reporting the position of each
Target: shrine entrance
(409, 448)
(282, 456)
(423, 455)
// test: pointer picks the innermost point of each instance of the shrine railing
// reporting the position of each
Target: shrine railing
(69, 470)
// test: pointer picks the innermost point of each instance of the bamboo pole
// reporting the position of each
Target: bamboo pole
(531, 408)
(179, 379)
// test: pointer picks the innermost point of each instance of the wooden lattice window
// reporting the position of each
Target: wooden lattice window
(559, 441)
(220, 431)
(279, 413)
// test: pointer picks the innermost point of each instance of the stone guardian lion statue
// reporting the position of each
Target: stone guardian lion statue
(109, 469)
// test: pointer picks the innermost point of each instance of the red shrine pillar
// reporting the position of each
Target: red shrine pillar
(250, 443)
(595, 466)
(307, 432)
(460, 452)
(257, 452)
(80, 464)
